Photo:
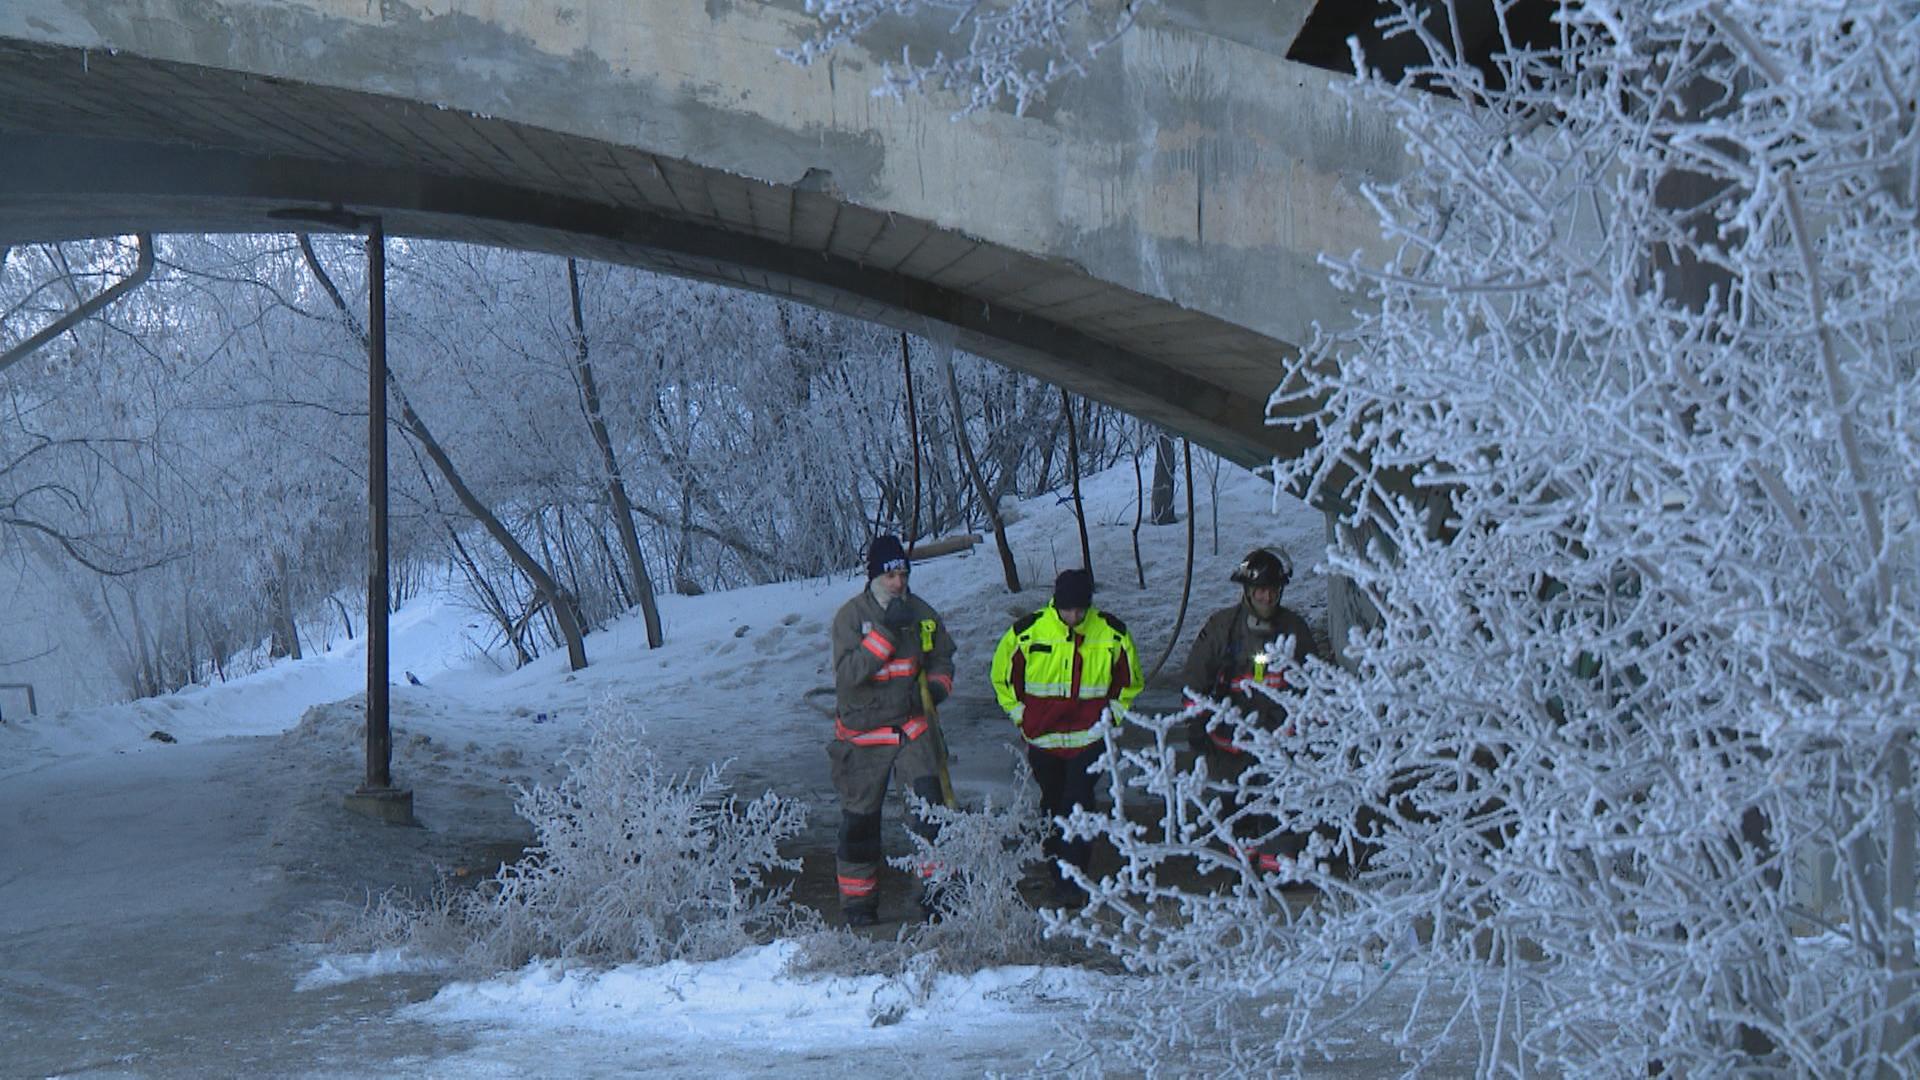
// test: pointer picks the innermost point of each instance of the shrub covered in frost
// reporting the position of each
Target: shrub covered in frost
(980, 856)
(978, 859)
(633, 863)
(630, 863)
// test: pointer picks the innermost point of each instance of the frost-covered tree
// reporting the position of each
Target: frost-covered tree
(185, 469)
(1008, 50)
(177, 535)
(1624, 453)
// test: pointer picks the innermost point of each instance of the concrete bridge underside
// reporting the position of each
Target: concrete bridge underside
(1148, 237)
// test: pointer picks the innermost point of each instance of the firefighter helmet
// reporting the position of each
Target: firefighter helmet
(1264, 568)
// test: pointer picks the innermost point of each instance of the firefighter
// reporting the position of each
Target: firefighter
(1056, 672)
(1229, 661)
(884, 639)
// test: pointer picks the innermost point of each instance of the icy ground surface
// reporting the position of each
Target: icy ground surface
(164, 906)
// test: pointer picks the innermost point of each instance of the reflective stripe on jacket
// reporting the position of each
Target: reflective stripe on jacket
(915, 727)
(1055, 680)
(875, 669)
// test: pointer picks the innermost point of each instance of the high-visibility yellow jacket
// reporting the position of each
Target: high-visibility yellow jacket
(1055, 680)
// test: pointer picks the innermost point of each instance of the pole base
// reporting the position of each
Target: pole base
(391, 805)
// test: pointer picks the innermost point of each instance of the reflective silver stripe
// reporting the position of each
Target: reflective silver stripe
(1067, 740)
(1049, 689)
(1092, 692)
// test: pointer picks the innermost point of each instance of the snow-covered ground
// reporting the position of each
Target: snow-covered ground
(165, 906)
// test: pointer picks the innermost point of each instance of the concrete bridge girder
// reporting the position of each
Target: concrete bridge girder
(1148, 237)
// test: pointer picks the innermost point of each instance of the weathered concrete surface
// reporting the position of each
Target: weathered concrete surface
(1149, 236)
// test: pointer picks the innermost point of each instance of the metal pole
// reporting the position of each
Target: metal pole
(379, 735)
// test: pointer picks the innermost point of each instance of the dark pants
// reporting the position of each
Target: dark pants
(1065, 783)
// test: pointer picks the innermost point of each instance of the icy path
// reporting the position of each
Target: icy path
(148, 900)
(144, 927)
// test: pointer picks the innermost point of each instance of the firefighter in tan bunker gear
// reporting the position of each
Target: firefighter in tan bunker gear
(883, 640)
(1056, 673)
(1230, 661)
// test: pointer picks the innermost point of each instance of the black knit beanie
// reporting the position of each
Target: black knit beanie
(1073, 589)
(885, 555)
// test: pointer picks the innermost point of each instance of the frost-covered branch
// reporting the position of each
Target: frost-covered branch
(1625, 444)
(1001, 49)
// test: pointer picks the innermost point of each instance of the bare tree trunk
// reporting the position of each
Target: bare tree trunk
(1186, 582)
(616, 581)
(1139, 513)
(987, 502)
(913, 439)
(410, 421)
(476, 577)
(1213, 492)
(683, 582)
(185, 611)
(610, 463)
(1046, 459)
(149, 675)
(1162, 513)
(522, 655)
(570, 627)
(346, 620)
(217, 645)
(567, 556)
(1073, 473)
(1903, 830)
(546, 559)
(285, 637)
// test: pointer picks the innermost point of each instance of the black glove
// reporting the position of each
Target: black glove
(898, 615)
(938, 689)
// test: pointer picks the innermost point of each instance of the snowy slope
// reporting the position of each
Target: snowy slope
(728, 685)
